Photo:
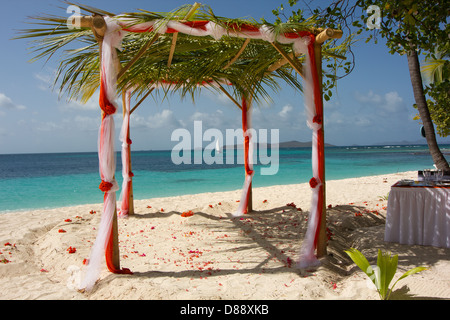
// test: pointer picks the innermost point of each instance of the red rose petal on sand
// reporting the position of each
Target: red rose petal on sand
(71, 250)
(187, 214)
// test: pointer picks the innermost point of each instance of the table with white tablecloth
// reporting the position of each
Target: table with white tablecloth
(418, 213)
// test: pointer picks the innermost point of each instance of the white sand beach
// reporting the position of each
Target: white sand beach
(211, 255)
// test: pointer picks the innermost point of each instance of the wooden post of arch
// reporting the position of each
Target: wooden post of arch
(321, 244)
(127, 138)
(247, 105)
(250, 188)
(321, 236)
(98, 26)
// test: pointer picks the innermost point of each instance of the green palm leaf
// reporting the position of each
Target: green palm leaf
(196, 59)
(384, 272)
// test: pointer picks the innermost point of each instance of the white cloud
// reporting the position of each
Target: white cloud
(91, 105)
(386, 104)
(48, 126)
(362, 121)
(163, 119)
(393, 102)
(166, 118)
(7, 103)
(87, 123)
(334, 118)
(45, 81)
(219, 97)
(369, 98)
(285, 112)
(216, 119)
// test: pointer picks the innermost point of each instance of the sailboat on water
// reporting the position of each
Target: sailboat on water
(218, 149)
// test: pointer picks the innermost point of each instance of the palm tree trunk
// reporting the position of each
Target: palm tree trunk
(422, 107)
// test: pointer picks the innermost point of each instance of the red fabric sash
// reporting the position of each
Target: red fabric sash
(126, 160)
(109, 258)
(108, 109)
(201, 24)
(318, 119)
(248, 171)
(106, 106)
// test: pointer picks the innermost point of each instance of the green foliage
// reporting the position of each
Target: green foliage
(412, 24)
(405, 25)
(383, 274)
(196, 59)
(335, 53)
(439, 106)
(386, 197)
(436, 72)
(436, 68)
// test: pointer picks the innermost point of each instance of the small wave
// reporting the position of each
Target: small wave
(188, 180)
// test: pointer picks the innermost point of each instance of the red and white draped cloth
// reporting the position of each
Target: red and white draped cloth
(117, 28)
(248, 157)
(127, 175)
(314, 110)
(106, 156)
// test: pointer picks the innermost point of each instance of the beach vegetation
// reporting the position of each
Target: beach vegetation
(411, 28)
(436, 73)
(383, 273)
(386, 197)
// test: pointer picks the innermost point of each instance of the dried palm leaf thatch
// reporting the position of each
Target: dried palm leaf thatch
(192, 62)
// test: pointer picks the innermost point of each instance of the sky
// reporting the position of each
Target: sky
(370, 106)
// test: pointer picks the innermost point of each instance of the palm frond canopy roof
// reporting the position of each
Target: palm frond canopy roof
(187, 61)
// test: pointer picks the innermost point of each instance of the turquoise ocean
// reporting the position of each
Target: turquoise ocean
(37, 181)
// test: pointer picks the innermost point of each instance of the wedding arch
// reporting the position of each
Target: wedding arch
(185, 51)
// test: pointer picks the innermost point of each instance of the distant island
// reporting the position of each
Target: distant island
(308, 144)
(298, 144)
(284, 145)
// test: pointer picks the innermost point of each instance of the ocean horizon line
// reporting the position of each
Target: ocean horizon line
(327, 145)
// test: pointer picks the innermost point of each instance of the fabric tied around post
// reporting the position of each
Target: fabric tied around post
(313, 106)
(126, 172)
(248, 158)
(107, 165)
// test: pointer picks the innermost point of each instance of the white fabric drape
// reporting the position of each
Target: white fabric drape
(212, 29)
(243, 202)
(106, 154)
(124, 138)
(418, 215)
(307, 256)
